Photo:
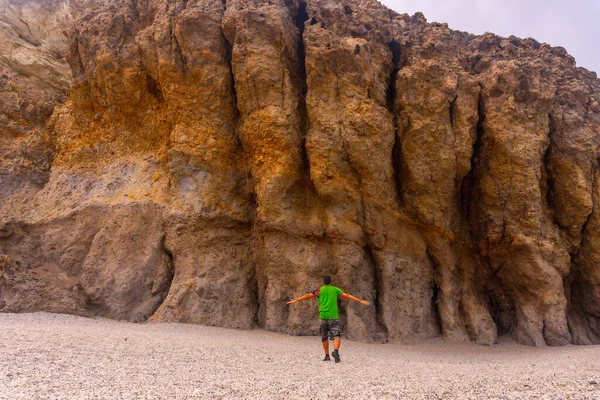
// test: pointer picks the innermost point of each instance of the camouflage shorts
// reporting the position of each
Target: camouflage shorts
(330, 328)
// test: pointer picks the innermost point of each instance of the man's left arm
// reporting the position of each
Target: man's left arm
(352, 298)
(303, 298)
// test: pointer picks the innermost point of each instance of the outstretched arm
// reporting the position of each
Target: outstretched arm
(302, 298)
(350, 297)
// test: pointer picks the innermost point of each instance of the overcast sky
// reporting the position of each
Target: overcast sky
(573, 24)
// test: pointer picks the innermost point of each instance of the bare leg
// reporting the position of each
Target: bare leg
(326, 347)
(336, 343)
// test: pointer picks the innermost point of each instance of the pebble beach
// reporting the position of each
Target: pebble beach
(53, 356)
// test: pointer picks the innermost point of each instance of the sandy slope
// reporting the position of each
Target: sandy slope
(59, 356)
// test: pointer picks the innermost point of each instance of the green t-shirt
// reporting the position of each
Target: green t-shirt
(328, 304)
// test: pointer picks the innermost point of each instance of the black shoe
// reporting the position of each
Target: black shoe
(336, 356)
(327, 358)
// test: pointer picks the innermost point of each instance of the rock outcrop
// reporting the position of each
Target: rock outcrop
(214, 159)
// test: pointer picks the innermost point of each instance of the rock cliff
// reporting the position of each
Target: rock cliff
(204, 161)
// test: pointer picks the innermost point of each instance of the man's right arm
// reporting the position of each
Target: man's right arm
(350, 297)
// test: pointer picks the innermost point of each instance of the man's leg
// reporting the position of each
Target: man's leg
(324, 328)
(335, 333)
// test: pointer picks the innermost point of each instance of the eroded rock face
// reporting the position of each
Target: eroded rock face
(34, 77)
(214, 160)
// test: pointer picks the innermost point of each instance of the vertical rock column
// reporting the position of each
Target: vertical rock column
(187, 64)
(350, 144)
(572, 163)
(269, 84)
(584, 318)
(510, 222)
(437, 108)
(331, 66)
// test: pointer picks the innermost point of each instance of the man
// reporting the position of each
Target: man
(328, 314)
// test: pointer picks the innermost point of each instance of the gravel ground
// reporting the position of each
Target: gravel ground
(51, 356)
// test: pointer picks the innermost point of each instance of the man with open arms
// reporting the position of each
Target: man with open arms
(328, 314)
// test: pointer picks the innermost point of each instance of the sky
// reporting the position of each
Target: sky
(572, 24)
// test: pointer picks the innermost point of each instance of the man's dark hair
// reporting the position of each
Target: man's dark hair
(327, 280)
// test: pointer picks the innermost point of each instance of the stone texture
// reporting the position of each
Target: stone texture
(34, 77)
(214, 159)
